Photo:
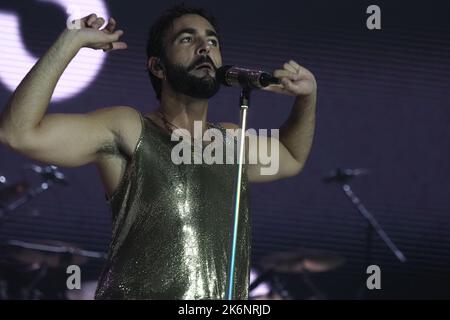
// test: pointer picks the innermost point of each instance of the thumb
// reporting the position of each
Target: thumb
(114, 36)
(115, 46)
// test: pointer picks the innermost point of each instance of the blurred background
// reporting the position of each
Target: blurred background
(383, 105)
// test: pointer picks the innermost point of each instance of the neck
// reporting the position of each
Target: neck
(182, 110)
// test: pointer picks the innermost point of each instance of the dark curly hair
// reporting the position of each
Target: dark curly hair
(157, 33)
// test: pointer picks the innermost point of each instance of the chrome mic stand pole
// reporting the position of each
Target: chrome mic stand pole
(342, 176)
(244, 102)
(373, 223)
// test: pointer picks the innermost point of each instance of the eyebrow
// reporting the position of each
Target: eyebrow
(208, 32)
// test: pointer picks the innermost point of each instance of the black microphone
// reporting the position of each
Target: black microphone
(343, 175)
(246, 78)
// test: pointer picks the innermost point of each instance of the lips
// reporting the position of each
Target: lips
(205, 66)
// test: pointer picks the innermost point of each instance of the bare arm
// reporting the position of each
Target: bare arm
(61, 139)
(296, 134)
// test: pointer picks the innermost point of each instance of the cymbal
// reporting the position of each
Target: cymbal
(53, 254)
(303, 260)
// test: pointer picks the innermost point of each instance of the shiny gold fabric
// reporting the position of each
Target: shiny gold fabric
(172, 227)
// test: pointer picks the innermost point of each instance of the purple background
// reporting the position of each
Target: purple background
(383, 104)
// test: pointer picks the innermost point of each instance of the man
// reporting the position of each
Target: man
(171, 223)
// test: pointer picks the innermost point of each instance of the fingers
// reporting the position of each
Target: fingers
(90, 19)
(111, 25)
(93, 21)
(97, 23)
(115, 46)
(114, 43)
(295, 65)
(277, 88)
(119, 46)
(302, 71)
(287, 84)
(288, 74)
(295, 80)
(115, 35)
(89, 16)
(110, 39)
(290, 68)
(288, 87)
(85, 20)
(293, 71)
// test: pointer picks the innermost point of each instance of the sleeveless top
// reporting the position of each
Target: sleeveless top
(172, 226)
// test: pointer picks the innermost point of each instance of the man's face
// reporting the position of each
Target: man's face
(192, 56)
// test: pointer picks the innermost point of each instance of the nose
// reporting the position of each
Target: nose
(204, 47)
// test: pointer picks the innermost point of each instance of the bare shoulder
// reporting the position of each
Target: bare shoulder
(229, 125)
(233, 126)
(119, 114)
(114, 117)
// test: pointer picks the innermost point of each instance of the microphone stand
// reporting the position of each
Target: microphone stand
(50, 176)
(244, 103)
(24, 199)
(373, 225)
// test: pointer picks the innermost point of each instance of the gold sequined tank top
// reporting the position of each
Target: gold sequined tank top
(172, 226)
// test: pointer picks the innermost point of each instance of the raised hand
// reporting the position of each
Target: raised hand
(91, 36)
(295, 80)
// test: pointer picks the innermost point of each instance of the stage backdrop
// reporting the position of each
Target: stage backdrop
(383, 104)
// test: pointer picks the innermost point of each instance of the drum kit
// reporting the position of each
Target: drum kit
(38, 270)
(305, 262)
(300, 263)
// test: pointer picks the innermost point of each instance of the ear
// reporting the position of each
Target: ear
(156, 68)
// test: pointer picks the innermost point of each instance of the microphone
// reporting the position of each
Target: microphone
(246, 78)
(343, 175)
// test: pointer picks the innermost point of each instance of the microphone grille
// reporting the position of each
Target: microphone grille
(221, 74)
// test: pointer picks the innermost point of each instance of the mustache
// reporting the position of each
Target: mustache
(199, 61)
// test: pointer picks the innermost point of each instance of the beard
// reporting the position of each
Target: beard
(186, 83)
